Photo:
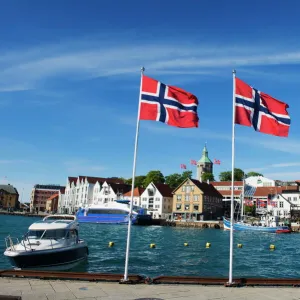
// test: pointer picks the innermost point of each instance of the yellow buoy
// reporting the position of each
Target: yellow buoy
(186, 244)
(240, 245)
(272, 247)
(207, 245)
(152, 245)
(111, 244)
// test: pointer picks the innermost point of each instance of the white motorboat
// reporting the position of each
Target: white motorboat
(50, 244)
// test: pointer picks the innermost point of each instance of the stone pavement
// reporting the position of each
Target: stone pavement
(35, 289)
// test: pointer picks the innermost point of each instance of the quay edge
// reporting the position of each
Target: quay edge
(137, 279)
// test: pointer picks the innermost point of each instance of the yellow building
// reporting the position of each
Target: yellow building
(9, 197)
(195, 201)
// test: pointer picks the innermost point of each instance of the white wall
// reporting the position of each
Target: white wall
(281, 207)
(156, 204)
(259, 181)
(106, 194)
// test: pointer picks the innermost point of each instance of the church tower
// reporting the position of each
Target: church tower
(204, 165)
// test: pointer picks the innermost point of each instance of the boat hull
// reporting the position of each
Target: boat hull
(105, 219)
(54, 259)
(237, 226)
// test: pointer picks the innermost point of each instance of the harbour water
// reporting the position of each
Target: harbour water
(171, 257)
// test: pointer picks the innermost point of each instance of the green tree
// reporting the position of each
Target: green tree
(226, 176)
(139, 181)
(250, 210)
(174, 180)
(253, 174)
(208, 176)
(154, 176)
(185, 175)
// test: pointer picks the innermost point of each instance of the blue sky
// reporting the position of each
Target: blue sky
(70, 74)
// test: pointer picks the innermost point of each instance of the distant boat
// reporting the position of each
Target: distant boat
(116, 212)
(242, 226)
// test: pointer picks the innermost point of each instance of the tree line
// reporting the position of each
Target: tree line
(175, 179)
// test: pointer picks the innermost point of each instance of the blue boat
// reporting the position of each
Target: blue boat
(116, 212)
(242, 226)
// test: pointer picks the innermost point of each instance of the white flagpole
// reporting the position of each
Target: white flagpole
(232, 183)
(133, 180)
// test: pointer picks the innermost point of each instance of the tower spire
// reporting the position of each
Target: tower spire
(204, 165)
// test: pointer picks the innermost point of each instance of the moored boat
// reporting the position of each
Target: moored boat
(283, 231)
(50, 244)
(243, 226)
(116, 212)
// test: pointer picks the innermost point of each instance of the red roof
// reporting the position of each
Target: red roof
(72, 179)
(228, 193)
(264, 191)
(52, 197)
(226, 183)
(207, 189)
(164, 189)
(101, 179)
(137, 192)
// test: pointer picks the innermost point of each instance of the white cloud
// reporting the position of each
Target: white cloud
(25, 69)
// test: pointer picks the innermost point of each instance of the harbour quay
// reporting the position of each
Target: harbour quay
(37, 289)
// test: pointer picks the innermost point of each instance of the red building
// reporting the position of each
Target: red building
(40, 194)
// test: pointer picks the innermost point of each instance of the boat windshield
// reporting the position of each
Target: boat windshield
(47, 234)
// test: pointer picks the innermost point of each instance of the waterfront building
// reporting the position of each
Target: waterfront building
(82, 191)
(138, 191)
(224, 188)
(285, 204)
(204, 165)
(109, 192)
(158, 200)
(9, 197)
(260, 181)
(194, 200)
(263, 194)
(52, 203)
(39, 195)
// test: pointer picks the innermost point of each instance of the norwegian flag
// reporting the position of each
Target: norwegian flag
(217, 162)
(265, 113)
(167, 104)
(193, 162)
(248, 203)
(183, 166)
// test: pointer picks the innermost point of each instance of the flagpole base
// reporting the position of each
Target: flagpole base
(126, 281)
(231, 284)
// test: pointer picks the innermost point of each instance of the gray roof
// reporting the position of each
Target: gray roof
(8, 188)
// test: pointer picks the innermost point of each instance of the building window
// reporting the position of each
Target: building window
(187, 207)
(156, 206)
(178, 206)
(196, 197)
(188, 189)
(289, 198)
(295, 198)
(196, 207)
(144, 199)
(183, 188)
(187, 198)
(178, 197)
(157, 199)
(192, 188)
(281, 204)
